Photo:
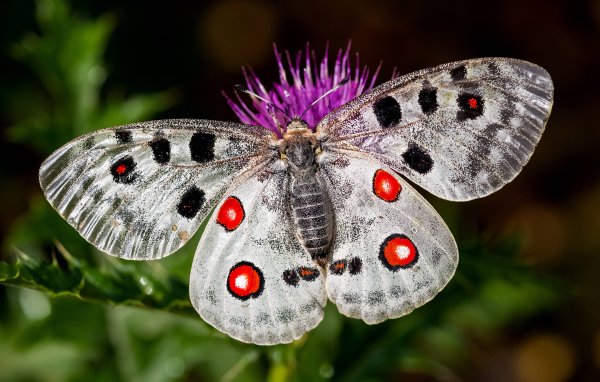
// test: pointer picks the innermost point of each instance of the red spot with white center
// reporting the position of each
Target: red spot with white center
(398, 251)
(245, 281)
(121, 169)
(385, 186)
(472, 103)
(231, 213)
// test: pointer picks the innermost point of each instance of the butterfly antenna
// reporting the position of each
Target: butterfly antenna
(252, 94)
(336, 87)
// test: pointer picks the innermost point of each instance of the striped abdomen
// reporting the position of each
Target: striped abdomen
(312, 215)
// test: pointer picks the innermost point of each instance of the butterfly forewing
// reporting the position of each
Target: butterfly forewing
(140, 191)
(460, 130)
(251, 278)
(392, 252)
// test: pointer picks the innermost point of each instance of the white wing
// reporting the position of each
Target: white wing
(392, 252)
(140, 191)
(460, 130)
(251, 278)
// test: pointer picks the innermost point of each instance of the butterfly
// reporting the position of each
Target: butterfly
(319, 213)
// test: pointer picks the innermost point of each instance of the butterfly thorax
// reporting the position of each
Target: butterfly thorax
(310, 205)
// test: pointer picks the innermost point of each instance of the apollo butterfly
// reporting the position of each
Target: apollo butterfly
(317, 211)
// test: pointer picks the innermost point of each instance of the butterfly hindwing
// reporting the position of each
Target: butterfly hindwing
(140, 191)
(460, 130)
(392, 252)
(251, 278)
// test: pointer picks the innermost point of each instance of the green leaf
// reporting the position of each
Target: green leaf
(117, 282)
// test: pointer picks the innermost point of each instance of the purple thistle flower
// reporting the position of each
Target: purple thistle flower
(308, 82)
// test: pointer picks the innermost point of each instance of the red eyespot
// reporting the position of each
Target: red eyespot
(398, 251)
(245, 281)
(121, 169)
(385, 186)
(472, 103)
(231, 213)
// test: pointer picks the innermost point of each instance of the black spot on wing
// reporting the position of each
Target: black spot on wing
(470, 106)
(191, 202)
(387, 111)
(291, 277)
(354, 265)
(418, 159)
(428, 100)
(202, 147)
(123, 136)
(161, 149)
(459, 73)
(307, 273)
(338, 267)
(123, 170)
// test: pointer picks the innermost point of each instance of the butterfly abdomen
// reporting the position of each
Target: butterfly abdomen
(312, 217)
(309, 202)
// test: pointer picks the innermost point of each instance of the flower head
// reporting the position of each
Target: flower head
(301, 82)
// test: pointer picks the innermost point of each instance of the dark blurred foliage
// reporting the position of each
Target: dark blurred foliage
(522, 306)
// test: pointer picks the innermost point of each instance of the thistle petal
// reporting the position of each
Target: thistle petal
(310, 79)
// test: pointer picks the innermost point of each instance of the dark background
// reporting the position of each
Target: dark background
(542, 230)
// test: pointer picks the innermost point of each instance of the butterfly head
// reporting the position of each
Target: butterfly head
(296, 126)
(298, 146)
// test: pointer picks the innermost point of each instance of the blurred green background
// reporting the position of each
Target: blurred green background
(523, 305)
